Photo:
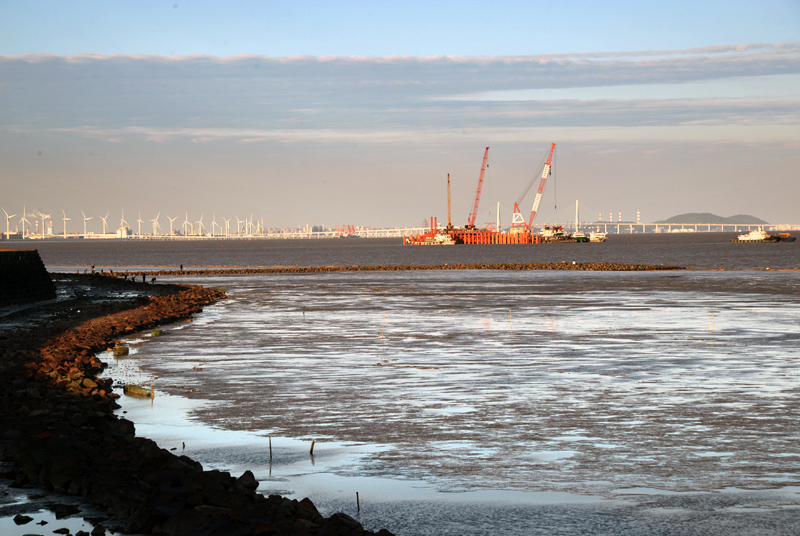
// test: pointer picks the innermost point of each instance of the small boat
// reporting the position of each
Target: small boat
(598, 237)
(755, 236)
(786, 237)
(555, 234)
(580, 237)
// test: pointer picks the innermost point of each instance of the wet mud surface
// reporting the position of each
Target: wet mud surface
(58, 431)
(587, 383)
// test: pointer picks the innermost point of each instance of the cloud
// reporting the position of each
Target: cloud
(407, 77)
(354, 93)
(403, 100)
(360, 123)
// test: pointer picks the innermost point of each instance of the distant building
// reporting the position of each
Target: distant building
(124, 232)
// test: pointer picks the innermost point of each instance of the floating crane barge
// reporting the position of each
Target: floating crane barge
(521, 231)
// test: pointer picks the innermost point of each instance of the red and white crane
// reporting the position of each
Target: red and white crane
(474, 214)
(518, 220)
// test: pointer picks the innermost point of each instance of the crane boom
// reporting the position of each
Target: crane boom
(474, 214)
(545, 174)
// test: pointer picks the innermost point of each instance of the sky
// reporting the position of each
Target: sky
(331, 113)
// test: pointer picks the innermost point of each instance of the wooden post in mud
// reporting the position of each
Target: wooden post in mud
(358, 504)
(312, 448)
(270, 448)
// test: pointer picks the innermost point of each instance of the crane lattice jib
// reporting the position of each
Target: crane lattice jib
(474, 214)
(545, 174)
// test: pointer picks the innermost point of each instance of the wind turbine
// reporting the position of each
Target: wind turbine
(44, 218)
(170, 223)
(186, 224)
(227, 227)
(122, 222)
(65, 222)
(200, 225)
(23, 220)
(214, 223)
(155, 223)
(140, 220)
(8, 218)
(104, 218)
(85, 219)
(238, 226)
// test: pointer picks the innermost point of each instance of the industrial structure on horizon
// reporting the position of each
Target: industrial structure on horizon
(520, 231)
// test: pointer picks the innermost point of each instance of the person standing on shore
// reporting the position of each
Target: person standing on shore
(181, 267)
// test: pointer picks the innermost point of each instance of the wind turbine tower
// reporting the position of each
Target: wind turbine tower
(7, 219)
(23, 220)
(85, 219)
(105, 222)
(44, 217)
(170, 223)
(65, 222)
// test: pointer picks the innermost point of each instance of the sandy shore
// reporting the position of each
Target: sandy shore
(58, 431)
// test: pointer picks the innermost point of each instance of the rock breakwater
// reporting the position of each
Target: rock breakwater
(58, 428)
(584, 266)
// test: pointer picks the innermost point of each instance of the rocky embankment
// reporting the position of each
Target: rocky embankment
(585, 266)
(58, 428)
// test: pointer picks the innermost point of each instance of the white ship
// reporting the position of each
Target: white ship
(758, 235)
(598, 237)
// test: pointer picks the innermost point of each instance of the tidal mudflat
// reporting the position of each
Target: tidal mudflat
(464, 402)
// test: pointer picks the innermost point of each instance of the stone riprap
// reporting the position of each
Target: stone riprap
(582, 266)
